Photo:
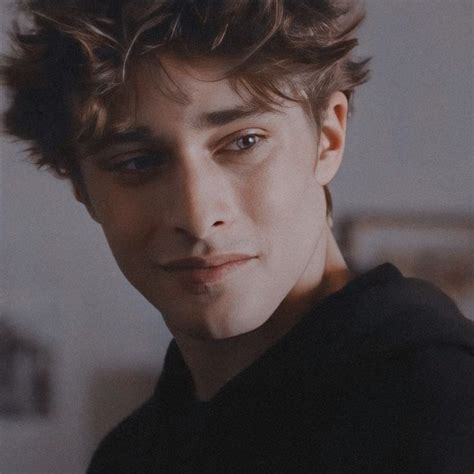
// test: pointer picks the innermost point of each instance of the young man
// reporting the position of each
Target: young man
(202, 136)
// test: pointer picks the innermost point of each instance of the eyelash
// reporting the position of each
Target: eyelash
(155, 157)
(122, 165)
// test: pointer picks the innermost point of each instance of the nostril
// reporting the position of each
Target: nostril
(196, 233)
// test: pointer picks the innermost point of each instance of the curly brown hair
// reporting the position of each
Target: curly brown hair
(66, 66)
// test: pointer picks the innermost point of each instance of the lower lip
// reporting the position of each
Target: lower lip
(208, 275)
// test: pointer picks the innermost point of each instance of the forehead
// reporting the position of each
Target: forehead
(179, 89)
(185, 89)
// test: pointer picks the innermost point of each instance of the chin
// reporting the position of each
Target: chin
(214, 325)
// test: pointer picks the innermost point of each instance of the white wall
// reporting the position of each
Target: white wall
(411, 140)
(409, 147)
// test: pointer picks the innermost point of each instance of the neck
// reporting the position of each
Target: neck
(213, 362)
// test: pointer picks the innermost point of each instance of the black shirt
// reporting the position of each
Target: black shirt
(377, 378)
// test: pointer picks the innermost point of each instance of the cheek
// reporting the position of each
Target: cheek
(125, 221)
(283, 192)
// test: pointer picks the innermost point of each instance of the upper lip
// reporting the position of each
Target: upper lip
(205, 262)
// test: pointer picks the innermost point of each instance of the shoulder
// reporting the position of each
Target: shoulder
(413, 351)
(411, 327)
(403, 312)
(131, 440)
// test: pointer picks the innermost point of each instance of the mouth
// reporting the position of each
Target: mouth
(194, 271)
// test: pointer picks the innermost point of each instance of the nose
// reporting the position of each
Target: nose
(202, 200)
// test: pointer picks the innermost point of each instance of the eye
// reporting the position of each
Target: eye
(244, 142)
(140, 163)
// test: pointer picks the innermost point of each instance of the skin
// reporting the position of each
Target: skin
(253, 185)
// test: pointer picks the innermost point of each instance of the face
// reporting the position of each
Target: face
(213, 207)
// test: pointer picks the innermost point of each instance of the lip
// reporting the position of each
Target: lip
(206, 270)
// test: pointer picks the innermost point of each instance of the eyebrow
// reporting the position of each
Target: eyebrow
(222, 117)
(129, 135)
(213, 119)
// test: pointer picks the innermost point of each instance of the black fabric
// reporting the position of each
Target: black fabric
(378, 378)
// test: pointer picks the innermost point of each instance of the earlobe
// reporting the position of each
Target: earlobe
(332, 138)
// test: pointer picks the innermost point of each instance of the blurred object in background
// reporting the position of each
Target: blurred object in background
(436, 248)
(24, 374)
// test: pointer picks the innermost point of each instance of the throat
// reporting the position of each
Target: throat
(213, 363)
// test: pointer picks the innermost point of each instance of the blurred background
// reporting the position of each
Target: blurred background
(86, 347)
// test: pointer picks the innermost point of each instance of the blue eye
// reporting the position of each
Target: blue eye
(245, 142)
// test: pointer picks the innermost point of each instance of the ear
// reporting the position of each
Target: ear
(332, 138)
(80, 193)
